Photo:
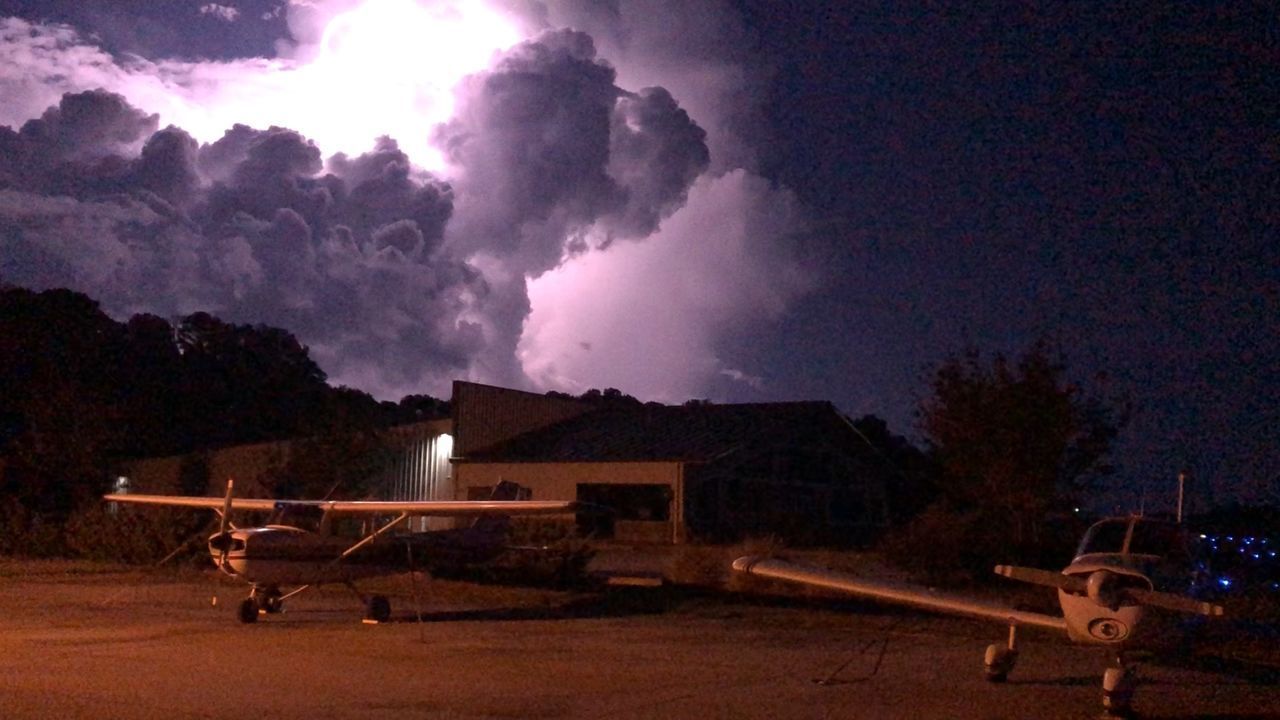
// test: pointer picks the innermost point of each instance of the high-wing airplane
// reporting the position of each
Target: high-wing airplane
(1123, 567)
(312, 542)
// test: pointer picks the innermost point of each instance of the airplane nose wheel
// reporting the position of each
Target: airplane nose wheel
(1118, 684)
(260, 600)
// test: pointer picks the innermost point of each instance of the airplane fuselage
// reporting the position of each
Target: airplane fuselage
(276, 555)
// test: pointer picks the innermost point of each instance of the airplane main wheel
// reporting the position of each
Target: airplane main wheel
(248, 611)
(272, 603)
(379, 608)
(997, 663)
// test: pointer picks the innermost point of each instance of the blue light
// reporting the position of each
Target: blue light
(1256, 556)
(1231, 538)
(1271, 553)
(1224, 581)
(1248, 541)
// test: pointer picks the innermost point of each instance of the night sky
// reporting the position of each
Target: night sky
(742, 201)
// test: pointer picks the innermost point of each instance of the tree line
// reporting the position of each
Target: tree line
(80, 393)
(1008, 443)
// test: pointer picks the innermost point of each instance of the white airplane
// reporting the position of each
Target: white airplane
(312, 542)
(1123, 567)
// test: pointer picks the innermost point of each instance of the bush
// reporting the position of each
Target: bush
(98, 531)
(25, 533)
(947, 547)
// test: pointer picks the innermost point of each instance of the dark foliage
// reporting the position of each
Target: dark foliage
(80, 393)
(1013, 442)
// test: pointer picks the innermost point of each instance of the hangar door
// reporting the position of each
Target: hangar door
(639, 512)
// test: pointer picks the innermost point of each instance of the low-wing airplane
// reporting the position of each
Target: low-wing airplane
(1123, 567)
(312, 542)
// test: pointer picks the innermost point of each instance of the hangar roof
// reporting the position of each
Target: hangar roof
(654, 432)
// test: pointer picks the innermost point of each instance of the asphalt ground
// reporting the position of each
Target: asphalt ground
(92, 642)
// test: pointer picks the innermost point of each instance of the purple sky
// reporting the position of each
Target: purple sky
(748, 200)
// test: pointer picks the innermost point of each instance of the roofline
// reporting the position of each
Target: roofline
(489, 461)
(517, 390)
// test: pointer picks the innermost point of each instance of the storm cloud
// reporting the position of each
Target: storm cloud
(398, 277)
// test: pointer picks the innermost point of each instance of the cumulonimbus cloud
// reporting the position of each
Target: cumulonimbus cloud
(568, 211)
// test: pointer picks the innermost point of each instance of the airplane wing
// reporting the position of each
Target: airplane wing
(444, 508)
(212, 503)
(894, 593)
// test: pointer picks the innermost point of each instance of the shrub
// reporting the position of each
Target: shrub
(98, 531)
(25, 533)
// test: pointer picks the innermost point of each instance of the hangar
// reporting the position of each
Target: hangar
(698, 472)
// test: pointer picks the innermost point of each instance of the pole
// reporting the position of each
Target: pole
(1182, 479)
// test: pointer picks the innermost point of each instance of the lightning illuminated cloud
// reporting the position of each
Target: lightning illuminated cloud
(421, 191)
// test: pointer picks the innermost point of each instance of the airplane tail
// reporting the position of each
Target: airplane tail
(500, 525)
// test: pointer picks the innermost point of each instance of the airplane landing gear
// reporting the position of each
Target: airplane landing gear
(260, 600)
(378, 610)
(270, 601)
(1000, 659)
(1118, 685)
(248, 611)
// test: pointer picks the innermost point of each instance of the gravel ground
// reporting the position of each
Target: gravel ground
(94, 642)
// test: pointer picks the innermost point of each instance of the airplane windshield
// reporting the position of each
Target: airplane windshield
(1104, 537)
(1149, 538)
(304, 517)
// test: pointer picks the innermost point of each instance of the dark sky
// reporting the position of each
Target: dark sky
(823, 201)
(1096, 173)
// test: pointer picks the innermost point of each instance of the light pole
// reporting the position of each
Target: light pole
(1182, 479)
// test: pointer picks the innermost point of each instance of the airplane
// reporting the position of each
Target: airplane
(305, 543)
(1123, 567)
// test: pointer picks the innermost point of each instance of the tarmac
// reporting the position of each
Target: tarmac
(118, 643)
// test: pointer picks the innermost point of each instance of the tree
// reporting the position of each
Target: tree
(245, 383)
(59, 357)
(1013, 441)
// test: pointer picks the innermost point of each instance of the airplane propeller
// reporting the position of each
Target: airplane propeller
(222, 541)
(1107, 588)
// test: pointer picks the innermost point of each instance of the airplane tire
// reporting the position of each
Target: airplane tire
(379, 608)
(272, 604)
(997, 663)
(248, 611)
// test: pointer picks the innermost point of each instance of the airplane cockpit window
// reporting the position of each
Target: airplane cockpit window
(305, 517)
(1105, 537)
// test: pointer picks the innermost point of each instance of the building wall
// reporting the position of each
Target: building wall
(559, 481)
(420, 469)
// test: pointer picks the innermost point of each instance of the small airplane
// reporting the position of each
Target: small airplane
(305, 543)
(1123, 567)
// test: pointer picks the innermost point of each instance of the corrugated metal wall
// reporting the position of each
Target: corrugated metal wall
(421, 471)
